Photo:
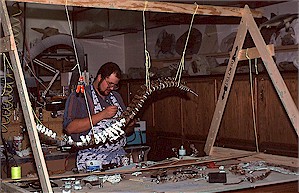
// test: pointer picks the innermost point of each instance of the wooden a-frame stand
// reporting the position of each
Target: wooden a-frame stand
(248, 24)
(8, 45)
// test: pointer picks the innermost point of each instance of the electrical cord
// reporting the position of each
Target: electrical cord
(24, 49)
(7, 157)
(141, 139)
(5, 153)
(7, 105)
(16, 23)
(133, 138)
(140, 135)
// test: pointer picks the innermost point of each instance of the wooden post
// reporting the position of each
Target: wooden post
(248, 24)
(273, 71)
(24, 98)
(226, 85)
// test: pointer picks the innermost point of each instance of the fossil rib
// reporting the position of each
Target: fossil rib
(114, 131)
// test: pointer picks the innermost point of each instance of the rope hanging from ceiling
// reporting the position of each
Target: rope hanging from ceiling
(181, 66)
(146, 52)
(113, 132)
(252, 99)
(82, 81)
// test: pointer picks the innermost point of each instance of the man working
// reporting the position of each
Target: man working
(105, 104)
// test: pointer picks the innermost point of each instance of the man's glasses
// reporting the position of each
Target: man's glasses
(112, 85)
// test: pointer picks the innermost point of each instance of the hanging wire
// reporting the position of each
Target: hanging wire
(73, 40)
(147, 55)
(252, 102)
(16, 24)
(256, 67)
(7, 105)
(182, 62)
(78, 66)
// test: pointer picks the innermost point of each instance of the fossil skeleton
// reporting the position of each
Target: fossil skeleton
(113, 132)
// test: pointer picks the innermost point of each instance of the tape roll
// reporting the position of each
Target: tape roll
(16, 172)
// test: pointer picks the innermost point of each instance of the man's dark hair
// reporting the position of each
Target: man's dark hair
(109, 68)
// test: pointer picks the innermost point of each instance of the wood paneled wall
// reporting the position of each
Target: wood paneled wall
(276, 133)
(175, 118)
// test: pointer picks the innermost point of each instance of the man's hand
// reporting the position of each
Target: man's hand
(132, 123)
(129, 129)
(109, 111)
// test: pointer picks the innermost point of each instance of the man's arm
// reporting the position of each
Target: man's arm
(83, 124)
(129, 128)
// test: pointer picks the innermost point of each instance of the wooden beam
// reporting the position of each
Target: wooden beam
(251, 52)
(261, 50)
(225, 88)
(254, 53)
(24, 100)
(164, 7)
(277, 80)
(8, 187)
(5, 44)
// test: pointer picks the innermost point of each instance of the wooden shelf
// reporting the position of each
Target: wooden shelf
(287, 48)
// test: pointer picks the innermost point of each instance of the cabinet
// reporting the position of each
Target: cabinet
(237, 126)
(275, 129)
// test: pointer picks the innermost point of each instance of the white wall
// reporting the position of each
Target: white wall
(134, 44)
(282, 8)
(42, 16)
(102, 51)
(98, 51)
(211, 40)
(134, 50)
(128, 50)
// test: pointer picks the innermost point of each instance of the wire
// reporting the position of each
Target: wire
(252, 103)
(8, 158)
(141, 138)
(133, 138)
(7, 105)
(16, 23)
(36, 118)
(73, 40)
(24, 49)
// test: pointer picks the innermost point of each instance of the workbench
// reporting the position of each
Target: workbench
(56, 161)
(144, 182)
